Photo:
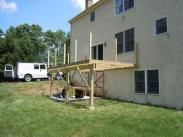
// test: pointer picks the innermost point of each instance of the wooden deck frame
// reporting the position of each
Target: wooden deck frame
(89, 65)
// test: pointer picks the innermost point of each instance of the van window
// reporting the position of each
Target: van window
(42, 66)
(9, 67)
(36, 66)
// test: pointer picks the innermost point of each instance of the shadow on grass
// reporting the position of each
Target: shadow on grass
(79, 105)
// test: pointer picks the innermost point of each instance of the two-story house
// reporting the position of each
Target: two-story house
(154, 26)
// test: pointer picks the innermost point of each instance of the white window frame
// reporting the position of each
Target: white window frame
(164, 33)
(97, 50)
(124, 42)
(116, 14)
(145, 93)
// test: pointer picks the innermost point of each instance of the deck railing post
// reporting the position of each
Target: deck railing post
(64, 57)
(90, 45)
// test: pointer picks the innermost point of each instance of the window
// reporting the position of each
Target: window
(161, 26)
(129, 40)
(125, 41)
(119, 37)
(119, 6)
(123, 5)
(152, 81)
(92, 16)
(36, 66)
(147, 82)
(9, 67)
(97, 52)
(140, 81)
(94, 52)
(42, 67)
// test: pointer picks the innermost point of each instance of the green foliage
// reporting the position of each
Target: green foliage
(28, 43)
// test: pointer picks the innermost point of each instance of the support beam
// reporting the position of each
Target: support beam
(68, 58)
(86, 84)
(67, 88)
(64, 58)
(91, 107)
(90, 45)
(51, 84)
(76, 50)
(68, 81)
(48, 57)
(56, 56)
(116, 50)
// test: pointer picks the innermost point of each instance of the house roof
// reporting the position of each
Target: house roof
(87, 11)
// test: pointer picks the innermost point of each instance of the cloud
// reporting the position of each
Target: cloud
(8, 7)
(81, 3)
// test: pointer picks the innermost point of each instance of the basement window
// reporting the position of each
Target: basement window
(147, 82)
(92, 16)
(152, 82)
(140, 81)
(161, 26)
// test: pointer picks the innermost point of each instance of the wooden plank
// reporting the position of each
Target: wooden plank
(51, 84)
(71, 68)
(88, 64)
(86, 84)
(90, 45)
(48, 57)
(91, 107)
(64, 58)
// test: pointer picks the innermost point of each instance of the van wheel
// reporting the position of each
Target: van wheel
(28, 78)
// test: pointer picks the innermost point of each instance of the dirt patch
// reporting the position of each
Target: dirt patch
(37, 88)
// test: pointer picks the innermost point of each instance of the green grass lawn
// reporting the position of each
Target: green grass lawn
(24, 115)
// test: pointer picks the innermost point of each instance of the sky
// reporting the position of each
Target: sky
(49, 14)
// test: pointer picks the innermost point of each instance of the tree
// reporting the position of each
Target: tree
(55, 40)
(1, 32)
(28, 43)
(22, 44)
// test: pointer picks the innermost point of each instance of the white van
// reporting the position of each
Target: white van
(26, 71)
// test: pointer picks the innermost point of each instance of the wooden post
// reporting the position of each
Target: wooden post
(48, 57)
(68, 58)
(90, 46)
(116, 49)
(76, 50)
(91, 107)
(83, 79)
(51, 84)
(55, 56)
(64, 54)
(68, 82)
